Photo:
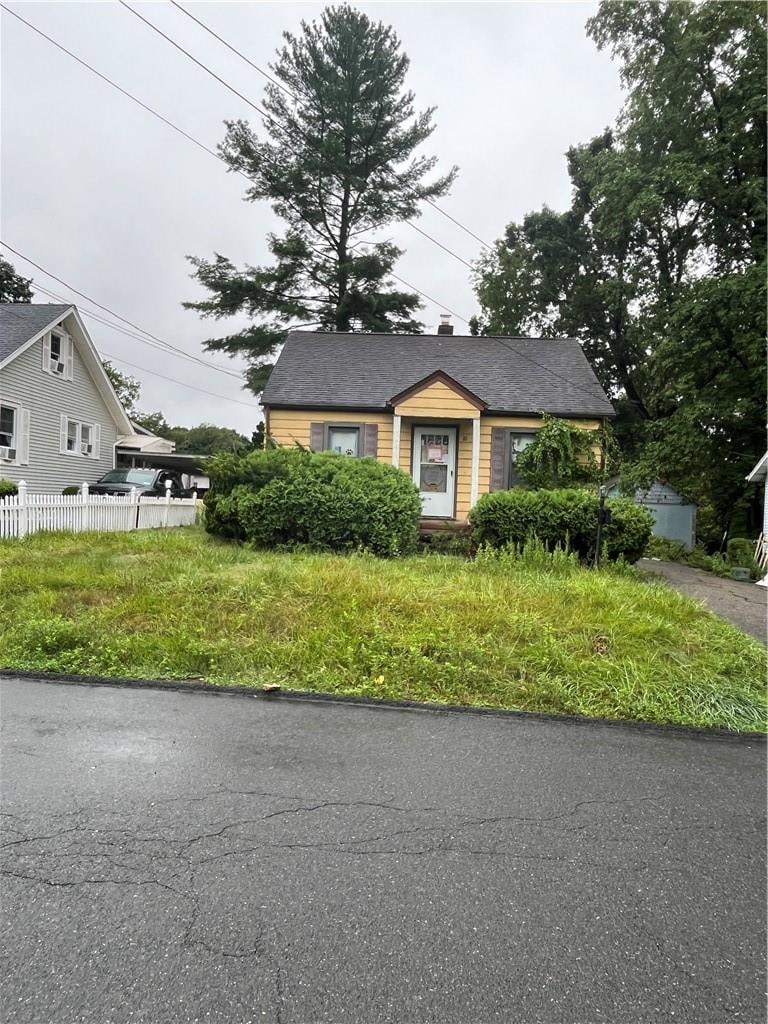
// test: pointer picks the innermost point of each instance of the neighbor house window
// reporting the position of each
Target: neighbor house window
(344, 440)
(57, 354)
(78, 438)
(86, 439)
(73, 435)
(516, 443)
(8, 427)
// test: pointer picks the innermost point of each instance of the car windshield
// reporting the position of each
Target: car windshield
(140, 477)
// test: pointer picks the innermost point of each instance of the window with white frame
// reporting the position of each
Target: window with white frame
(79, 438)
(345, 440)
(8, 430)
(57, 354)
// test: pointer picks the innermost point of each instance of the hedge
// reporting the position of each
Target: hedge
(291, 497)
(565, 517)
(8, 489)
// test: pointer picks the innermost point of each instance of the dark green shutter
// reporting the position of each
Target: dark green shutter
(317, 436)
(498, 454)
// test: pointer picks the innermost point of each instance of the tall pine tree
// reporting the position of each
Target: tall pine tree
(338, 162)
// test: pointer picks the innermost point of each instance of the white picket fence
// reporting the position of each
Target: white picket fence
(23, 514)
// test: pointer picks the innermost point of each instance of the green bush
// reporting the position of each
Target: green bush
(290, 498)
(741, 551)
(71, 489)
(230, 474)
(561, 517)
(629, 531)
(8, 488)
(665, 548)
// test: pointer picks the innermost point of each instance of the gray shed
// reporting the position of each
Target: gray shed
(674, 515)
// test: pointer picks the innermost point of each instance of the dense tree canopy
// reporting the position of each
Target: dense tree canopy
(659, 265)
(13, 287)
(338, 162)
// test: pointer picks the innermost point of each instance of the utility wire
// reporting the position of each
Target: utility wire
(186, 135)
(288, 92)
(263, 113)
(504, 344)
(172, 380)
(93, 315)
(164, 345)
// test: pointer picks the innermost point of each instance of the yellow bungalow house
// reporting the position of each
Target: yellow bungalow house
(451, 411)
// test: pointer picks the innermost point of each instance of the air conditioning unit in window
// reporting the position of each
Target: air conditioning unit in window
(56, 366)
(86, 449)
(8, 454)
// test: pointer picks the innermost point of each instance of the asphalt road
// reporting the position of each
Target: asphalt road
(177, 857)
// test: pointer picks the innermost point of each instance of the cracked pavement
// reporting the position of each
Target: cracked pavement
(192, 857)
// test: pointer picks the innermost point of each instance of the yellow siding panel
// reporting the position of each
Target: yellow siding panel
(437, 400)
(435, 403)
(291, 426)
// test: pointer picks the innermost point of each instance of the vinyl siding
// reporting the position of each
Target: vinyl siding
(514, 423)
(23, 382)
(439, 400)
(291, 426)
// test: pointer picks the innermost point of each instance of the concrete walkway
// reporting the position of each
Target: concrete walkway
(743, 604)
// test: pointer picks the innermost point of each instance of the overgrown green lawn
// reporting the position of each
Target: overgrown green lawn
(429, 628)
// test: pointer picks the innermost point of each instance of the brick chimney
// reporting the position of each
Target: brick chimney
(445, 327)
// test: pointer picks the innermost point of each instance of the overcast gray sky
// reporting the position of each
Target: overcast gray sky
(107, 198)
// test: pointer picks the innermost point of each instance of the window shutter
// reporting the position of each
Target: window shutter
(96, 442)
(22, 445)
(63, 435)
(370, 440)
(498, 452)
(46, 348)
(317, 436)
(68, 355)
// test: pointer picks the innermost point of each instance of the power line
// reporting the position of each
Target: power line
(566, 380)
(430, 299)
(173, 380)
(288, 92)
(164, 345)
(93, 315)
(229, 46)
(263, 113)
(186, 135)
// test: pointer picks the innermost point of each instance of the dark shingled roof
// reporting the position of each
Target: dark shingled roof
(363, 371)
(20, 321)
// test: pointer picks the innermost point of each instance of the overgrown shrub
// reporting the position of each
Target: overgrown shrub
(666, 549)
(230, 473)
(741, 551)
(289, 497)
(71, 489)
(561, 517)
(7, 488)
(560, 455)
(627, 534)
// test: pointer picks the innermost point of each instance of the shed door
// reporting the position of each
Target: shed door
(434, 468)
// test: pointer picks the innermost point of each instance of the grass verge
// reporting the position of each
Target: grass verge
(532, 634)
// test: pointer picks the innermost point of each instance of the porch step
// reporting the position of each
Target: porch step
(428, 527)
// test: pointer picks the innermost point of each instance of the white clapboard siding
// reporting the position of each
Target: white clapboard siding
(23, 514)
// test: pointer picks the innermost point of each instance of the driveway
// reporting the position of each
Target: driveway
(743, 604)
(188, 857)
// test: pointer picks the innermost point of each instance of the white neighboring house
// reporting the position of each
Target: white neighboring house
(60, 419)
(759, 475)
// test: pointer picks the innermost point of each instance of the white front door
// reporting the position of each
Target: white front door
(434, 468)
